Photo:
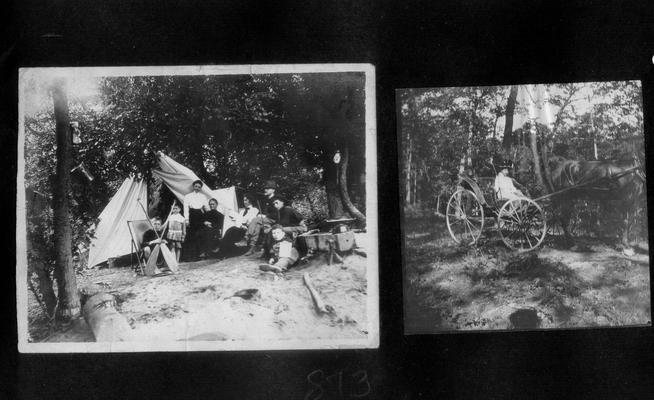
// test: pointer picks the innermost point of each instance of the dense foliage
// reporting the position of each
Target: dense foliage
(230, 130)
(445, 131)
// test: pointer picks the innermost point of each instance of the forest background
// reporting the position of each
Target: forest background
(231, 130)
(448, 131)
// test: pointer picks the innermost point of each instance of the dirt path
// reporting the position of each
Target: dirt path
(197, 303)
(452, 288)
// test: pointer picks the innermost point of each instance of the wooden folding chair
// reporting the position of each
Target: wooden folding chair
(136, 230)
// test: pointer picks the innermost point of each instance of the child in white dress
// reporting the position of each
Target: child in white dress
(176, 231)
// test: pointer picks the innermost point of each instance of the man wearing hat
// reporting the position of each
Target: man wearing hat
(505, 185)
(261, 223)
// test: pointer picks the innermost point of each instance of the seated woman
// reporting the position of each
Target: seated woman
(505, 185)
(211, 230)
(240, 231)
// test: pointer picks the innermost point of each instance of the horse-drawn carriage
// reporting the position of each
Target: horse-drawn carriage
(521, 223)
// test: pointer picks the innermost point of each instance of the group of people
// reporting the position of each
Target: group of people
(199, 230)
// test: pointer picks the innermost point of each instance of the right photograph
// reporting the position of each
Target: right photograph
(523, 207)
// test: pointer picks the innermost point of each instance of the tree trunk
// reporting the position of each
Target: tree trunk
(45, 288)
(466, 158)
(407, 188)
(330, 178)
(438, 204)
(69, 305)
(533, 138)
(497, 118)
(342, 183)
(507, 140)
(534, 151)
(415, 186)
(592, 130)
(544, 148)
(408, 150)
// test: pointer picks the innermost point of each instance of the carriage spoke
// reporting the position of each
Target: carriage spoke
(467, 226)
(473, 228)
(514, 232)
(529, 241)
(464, 217)
(521, 224)
(458, 217)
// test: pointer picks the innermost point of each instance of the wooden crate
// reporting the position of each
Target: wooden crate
(317, 241)
(344, 241)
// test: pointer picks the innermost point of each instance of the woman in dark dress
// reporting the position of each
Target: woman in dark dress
(212, 229)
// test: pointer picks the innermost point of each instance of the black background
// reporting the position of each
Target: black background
(412, 44)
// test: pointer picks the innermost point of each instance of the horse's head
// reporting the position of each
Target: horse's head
(555, 161)
(562, 171)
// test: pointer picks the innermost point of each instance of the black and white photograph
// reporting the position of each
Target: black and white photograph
(197, 208)
(523, 207)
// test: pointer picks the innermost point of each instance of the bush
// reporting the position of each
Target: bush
(312, 204)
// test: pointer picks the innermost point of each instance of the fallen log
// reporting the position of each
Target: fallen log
(321, 307)
(107, 324)
(360, 251)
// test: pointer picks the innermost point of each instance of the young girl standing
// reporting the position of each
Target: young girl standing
(176, 231)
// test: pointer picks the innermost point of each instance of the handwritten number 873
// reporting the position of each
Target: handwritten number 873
(345, 385)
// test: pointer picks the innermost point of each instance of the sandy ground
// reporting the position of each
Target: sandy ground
(197, 303)
(448, 287)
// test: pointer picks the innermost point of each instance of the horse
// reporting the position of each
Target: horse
(619, 181)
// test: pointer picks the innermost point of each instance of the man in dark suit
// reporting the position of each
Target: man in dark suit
(260, 225)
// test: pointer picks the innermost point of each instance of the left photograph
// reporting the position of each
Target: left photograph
(195, 208)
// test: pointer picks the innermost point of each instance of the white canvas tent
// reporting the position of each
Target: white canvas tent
(112, 237)
(179, 179)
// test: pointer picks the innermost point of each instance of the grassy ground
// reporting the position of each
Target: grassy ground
(197, 303)
(448, 287)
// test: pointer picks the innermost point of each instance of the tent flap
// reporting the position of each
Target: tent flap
(112, 238)
(179, 179)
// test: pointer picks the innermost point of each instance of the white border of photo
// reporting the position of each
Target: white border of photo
(372, 308)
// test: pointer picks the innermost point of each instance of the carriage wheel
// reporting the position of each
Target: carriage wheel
(465, 217)
(521, 224)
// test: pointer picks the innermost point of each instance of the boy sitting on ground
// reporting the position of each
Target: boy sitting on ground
(283, 253)
(291, 221)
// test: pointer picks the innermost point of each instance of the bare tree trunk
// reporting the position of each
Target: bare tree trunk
(592, 130)
(334, 203)
(438, 204)
(546, 168)
(415, 186)
(345, 197)
(534, 151)
(466, 158)
(507, 140)
(45, 288)
(497, 117)
(533, 136)
(408, 159)
(69, 305)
